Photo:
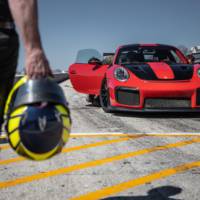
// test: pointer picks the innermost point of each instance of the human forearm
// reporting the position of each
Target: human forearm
(26, 18)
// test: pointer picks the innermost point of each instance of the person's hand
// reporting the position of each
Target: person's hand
(37, 65)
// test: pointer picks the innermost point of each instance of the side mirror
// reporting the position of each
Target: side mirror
(94, 61)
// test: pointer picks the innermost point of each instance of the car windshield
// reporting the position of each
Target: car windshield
(139, 54)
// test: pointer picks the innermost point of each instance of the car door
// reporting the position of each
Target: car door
(87, 77)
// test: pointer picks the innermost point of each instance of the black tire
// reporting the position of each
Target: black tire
(94, 100)
(105, 97)
(90, 98)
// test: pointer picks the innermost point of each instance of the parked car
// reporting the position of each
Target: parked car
(140, 78)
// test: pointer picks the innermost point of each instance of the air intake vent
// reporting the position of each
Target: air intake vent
(128, 96)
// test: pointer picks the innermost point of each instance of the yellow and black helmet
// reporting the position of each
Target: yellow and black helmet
(37, 118)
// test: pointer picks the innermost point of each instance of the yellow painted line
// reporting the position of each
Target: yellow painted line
(4, 147)
(93, 163)
(102, 143)
(173, 134)
(80, 135)
(108, 191)
(11, 160)
(77, 135)
(95, 134)
(75, 148)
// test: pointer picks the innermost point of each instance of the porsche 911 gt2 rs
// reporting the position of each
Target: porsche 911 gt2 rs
(140, 77)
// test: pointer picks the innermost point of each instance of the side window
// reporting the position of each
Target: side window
(176, 58)
(84, 55)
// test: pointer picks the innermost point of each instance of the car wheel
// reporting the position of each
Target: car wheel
(105, 97)
(94, 100)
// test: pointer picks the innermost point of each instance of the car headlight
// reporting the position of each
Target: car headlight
(121, 74)
(198, 72)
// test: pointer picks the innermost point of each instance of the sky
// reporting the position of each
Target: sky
(66, 26)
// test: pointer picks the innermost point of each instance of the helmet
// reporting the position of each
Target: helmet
(37, 118)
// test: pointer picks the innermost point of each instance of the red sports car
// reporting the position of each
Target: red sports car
(140, 77)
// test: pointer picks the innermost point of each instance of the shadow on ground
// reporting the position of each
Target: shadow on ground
(158, 115)
(159, 193)
(152, 114)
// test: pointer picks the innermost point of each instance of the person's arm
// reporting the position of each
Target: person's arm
(25, 15)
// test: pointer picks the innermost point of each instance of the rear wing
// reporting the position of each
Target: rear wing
(108, 54)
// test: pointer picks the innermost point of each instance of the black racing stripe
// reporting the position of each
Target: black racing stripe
(145, 72)
(142, 71)
(182, 71)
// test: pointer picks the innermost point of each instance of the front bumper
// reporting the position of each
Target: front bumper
(134, 96)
